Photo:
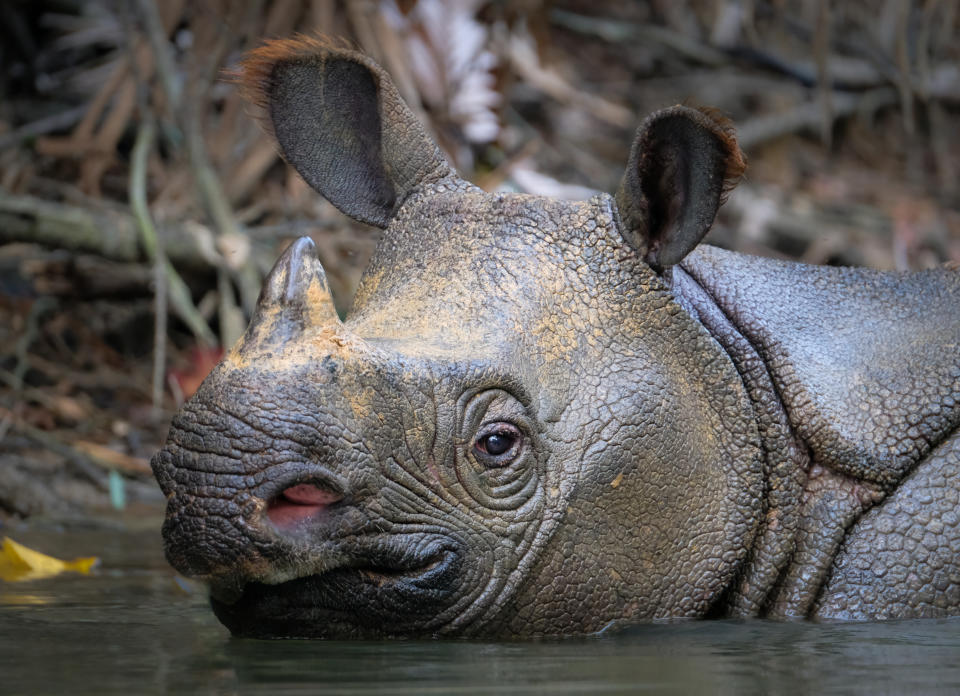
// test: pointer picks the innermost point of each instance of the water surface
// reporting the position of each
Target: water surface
(131, 628)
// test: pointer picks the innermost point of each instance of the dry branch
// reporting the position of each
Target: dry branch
(809, 116)
(168, 281)
(105, 232)
(617, 31)
(189, 118)
(59, 121)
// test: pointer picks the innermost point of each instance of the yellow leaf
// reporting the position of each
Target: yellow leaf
(17, 563)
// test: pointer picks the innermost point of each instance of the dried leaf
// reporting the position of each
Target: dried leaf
(452, 63)
(69, 409)
(19, 563)
(202, 360)
(235, 249)
(112, 458)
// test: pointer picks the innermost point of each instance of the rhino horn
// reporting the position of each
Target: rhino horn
(295, 295)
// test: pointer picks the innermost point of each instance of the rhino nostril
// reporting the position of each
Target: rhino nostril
(309, 494)
(299, 503)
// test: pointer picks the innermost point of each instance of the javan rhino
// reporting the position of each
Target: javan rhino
(545, 417)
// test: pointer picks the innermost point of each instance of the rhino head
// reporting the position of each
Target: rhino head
(516, 431)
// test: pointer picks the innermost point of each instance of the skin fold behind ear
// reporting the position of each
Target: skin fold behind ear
(682, 163)
(342, 125)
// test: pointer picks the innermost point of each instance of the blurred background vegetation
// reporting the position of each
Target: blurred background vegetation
(140, 205)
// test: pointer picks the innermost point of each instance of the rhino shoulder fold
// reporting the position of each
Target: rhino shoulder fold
(866, 362)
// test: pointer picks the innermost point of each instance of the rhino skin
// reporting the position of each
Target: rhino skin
(545, 417)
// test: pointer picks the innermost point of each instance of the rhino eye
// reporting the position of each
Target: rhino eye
(498, 444)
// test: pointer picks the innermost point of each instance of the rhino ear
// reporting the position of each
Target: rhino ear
(682, 163)
(342, 125)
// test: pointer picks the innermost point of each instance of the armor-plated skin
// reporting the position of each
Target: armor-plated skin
(546, 417)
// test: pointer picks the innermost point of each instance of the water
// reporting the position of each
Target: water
(132, 629)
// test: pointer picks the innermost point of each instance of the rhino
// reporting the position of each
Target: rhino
(544, 417)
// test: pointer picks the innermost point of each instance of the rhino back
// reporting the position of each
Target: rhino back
(866, 362)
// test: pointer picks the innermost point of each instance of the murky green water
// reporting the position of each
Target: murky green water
(132, 629)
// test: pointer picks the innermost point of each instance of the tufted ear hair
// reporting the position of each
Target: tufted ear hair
(342, 125)
(682, 164)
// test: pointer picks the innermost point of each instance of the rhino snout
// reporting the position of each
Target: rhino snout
(234, 520)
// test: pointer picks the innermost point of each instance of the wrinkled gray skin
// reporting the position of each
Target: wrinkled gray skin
(544, 417)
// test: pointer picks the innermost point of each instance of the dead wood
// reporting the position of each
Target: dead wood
(107, 232)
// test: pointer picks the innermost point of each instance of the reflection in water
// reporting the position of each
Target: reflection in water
(23, 599)
(132, 629)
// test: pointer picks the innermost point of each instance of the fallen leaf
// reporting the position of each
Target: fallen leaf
(19, 563)
(201, 361)
(69, 409)
(111, 458)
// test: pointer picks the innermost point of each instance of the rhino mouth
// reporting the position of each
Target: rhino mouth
(357, 599)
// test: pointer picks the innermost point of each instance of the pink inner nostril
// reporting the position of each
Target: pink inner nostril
(299, 503)
(308, 494)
